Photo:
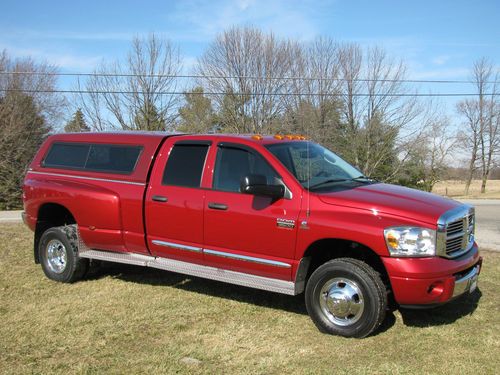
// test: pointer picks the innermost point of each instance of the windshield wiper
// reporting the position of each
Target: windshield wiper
(363, 178)
(331, 181)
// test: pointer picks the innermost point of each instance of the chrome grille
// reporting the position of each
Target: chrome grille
(456, 232)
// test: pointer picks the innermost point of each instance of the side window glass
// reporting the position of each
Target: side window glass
(67, 155)
(118, 159)
(93, 157)
(185, 165)
(233, 164)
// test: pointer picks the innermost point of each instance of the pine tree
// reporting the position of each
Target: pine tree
(197, 114)
(149, 118)
(77, 124)
(22, 130)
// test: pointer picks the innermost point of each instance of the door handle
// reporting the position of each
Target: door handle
(217, 206)
(159, 198)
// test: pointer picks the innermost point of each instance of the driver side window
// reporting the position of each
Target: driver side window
(232, 164)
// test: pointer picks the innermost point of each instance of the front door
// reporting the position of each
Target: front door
(243, 232)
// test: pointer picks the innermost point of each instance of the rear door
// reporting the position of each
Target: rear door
(175, 201)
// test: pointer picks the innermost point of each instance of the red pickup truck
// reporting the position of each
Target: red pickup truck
(281, 214)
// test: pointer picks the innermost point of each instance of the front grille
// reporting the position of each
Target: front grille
(459, 234)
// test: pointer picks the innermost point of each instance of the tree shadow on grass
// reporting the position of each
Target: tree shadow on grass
(151, 276)
(442, 315)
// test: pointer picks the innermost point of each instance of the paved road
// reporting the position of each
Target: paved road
(487, 217)
(10, 216)
(487, 222)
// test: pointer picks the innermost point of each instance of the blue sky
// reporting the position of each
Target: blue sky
(437, 39)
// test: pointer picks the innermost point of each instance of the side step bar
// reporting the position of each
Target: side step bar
(212, 273)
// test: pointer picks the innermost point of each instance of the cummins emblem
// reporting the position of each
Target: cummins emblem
(285, 223)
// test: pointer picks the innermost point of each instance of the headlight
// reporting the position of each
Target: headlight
(410, 241)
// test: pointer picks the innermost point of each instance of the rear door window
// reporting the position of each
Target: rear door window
(185, 165)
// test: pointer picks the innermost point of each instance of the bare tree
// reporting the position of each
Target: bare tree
(470, 137)
(437, 144)
(39, 86)
(482, 127)
(313, 106)
(245, 71)
(380, 111)
(133, 95)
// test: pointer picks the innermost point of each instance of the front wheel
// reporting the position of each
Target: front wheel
(346, 297)
(59, 256)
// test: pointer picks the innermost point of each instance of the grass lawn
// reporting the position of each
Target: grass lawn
(126, 319)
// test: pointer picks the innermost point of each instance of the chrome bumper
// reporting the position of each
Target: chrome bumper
(467, 283)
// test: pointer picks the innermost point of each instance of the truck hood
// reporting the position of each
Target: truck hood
(394, 200)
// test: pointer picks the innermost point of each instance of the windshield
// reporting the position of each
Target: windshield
(313, 165)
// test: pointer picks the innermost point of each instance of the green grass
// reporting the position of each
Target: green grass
(130, 319)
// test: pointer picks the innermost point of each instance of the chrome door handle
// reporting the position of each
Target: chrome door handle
(217, 206)
(159, 198)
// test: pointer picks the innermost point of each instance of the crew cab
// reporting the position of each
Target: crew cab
(276, 213)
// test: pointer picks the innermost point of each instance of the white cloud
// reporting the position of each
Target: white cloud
(204, 20)
(440, 60)
(67, 61)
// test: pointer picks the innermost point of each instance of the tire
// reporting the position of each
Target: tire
(58, 254)
(346, 297)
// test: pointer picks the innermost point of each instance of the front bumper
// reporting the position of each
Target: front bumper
(427, 282)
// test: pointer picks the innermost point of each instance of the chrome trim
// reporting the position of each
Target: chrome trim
(285, 223)
(57, 257)
(461, 212)
(177, 246)
(341, 301)
(192, 269)
(246, 258)
(87, 178)
(464, 284)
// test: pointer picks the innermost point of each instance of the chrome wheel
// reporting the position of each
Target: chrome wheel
(341, 301)
(56, 256)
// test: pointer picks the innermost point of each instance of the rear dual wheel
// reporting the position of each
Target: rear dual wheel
(346, 297)
(58, 254)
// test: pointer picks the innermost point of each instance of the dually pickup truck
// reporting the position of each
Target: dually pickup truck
(276, 213)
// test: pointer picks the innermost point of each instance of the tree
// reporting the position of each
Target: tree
(77, 124)
(22, 131)
(24, 120)
(245, 71)
(380, 112)
(482, 125)
(428, 161)
(148, 117)
(138, 94)
(197, 114)
(313, 106)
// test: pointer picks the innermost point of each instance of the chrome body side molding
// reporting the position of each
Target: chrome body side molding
(246, 258)
(177, 246)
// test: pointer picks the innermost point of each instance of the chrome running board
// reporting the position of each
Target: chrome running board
(192, 269)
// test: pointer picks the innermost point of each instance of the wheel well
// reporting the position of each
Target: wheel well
(50, 215)
(324, 250)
